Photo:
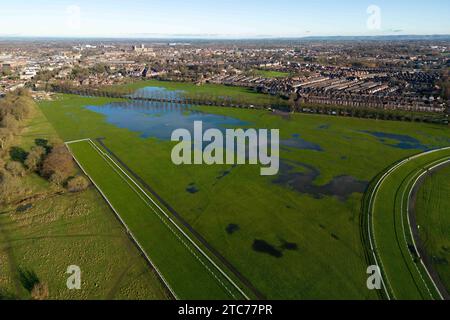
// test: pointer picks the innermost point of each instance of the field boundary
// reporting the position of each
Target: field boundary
(370, 224)
(183, 233)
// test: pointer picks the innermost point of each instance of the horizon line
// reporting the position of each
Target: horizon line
(210, 37)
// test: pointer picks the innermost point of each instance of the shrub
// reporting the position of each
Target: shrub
(22, 108)
(10, 122)
(58, 166)
(9, 187)
(34, 158)
(58, 178)
(77, 184)
(15, 168)
(6, 137)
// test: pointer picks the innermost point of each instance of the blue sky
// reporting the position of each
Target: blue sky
(224, 18)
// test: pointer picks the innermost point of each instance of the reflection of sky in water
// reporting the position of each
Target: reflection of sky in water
(401, 141)
(157, 93)
(159, 120)
(341, 187)
(298, 143)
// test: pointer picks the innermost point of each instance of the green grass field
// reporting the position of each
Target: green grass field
(217, 90)
(60, 230)
(404, 276)
(432, 208)
(270, 74)
(327, 259)
(188, 274)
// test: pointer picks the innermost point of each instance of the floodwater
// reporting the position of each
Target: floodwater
(341, 187)
(159, 119)
(403, 142)
(298, 143)
(192, 188)
(158, 93)
(232, 228)
(262, 246)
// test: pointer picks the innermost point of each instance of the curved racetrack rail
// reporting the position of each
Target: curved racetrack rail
(388, 230)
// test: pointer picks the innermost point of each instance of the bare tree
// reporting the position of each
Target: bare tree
(5, 138)
(77, 184)
(59, 165)
(15, 168)
(34, 158)
(9, 187)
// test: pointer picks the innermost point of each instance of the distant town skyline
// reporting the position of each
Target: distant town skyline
(222, 19)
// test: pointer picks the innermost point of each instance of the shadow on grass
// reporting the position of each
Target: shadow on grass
(28, 279)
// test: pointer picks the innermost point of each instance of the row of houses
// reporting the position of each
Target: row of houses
(370, 101)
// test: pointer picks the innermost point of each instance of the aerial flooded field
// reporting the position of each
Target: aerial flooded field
(295, 235)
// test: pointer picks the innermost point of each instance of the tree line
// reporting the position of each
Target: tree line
(51, 161)
(193, 98)
(285, 104)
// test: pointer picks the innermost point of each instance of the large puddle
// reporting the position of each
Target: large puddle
(398, 141)
(159, 120)
(158, 93)
(262, 246)
(297, 142)
(341, 187)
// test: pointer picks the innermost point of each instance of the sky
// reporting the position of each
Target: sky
(223, 18)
